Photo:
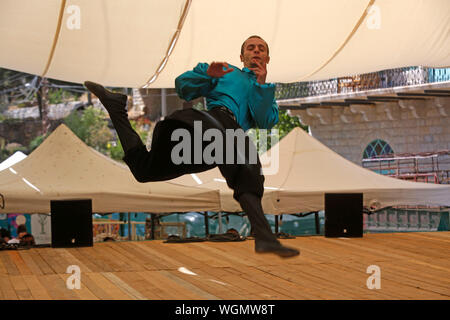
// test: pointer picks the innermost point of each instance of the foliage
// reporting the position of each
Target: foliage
(5, 153)
(91, 127)
(115, 149)
(36, 142)
(285, 124)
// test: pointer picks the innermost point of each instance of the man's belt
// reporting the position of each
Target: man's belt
(228, 111)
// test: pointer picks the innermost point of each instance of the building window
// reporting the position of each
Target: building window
(377, 148)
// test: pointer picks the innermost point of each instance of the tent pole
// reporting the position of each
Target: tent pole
(276, 224)
(316, 216)
(152, 221)
(206, 225)
(129, 226)
(220, 222)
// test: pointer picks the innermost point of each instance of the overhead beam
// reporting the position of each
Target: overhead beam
(437, 91)
(393, 98)
(405, 94)
(331, 103)
(360, 101)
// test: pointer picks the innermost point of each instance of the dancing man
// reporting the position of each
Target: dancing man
(237, 100)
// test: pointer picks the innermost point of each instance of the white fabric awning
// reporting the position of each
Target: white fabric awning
(15, 158)
(125, 43)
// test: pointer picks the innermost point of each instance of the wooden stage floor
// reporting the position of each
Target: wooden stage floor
(412, 265)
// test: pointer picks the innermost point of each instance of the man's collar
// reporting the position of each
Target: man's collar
(245, 69)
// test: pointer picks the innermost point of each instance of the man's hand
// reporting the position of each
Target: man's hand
(218, 69)
(260, 70)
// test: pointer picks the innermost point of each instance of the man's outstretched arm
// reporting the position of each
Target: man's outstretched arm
(201, 80)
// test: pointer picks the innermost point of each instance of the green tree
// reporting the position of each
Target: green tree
(285, 124)
(36, 142)
(115, 149)
(91, 127)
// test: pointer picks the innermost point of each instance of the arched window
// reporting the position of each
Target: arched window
(373, 150)
(377, 148)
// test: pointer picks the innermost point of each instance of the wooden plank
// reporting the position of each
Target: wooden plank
(134, 253)
(113, 291)
(109, 264)
(417, 281)
(210, 284)
(10, 266)
(56, 287)
(161, 260)
(123, 262)
(70, 258)
(146, 288)
(3, 270)
(150, 257)
(83, 293)
(51, 257)
(85, 260)
(92, 286)
(391, 285)
(310, 283)
(89, 254)
(181, 257)
(30, 263)
(201, 255)
(124, 286)
(37, 290)
(41, 263)
(19, 262)
(189, 286)
(167, 287)
(7, 288)
(21, 288)
(349, 282)
(275, 283)
(221, 254)
(246, 287)
(413, 266)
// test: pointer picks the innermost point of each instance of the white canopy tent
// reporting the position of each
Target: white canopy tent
(307, 170)
(12, 160)
(64, 168)
(127, 43)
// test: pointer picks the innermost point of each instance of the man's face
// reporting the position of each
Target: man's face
(255, 49)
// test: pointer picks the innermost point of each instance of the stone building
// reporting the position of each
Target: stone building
(410, 116)
(394, 122)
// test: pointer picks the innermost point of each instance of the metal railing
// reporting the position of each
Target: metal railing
(391, 78)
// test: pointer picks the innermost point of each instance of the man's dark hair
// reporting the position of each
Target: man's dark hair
(27, 240)
(254, 36)
(21, 228)
(4, 233)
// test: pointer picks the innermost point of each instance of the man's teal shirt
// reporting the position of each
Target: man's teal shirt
(252, 103)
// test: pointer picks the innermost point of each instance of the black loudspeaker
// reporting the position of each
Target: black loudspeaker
(343, 215)
(71, 223)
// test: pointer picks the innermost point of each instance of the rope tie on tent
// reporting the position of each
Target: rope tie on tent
(355, 28)
(171, 44)
(55, 38)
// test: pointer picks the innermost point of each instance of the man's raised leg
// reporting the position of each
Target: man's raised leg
(115, 104)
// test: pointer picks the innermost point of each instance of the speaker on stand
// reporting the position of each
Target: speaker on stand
(71, 223)
(343, 215)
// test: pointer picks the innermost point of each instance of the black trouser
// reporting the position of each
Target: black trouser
(246, 179)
